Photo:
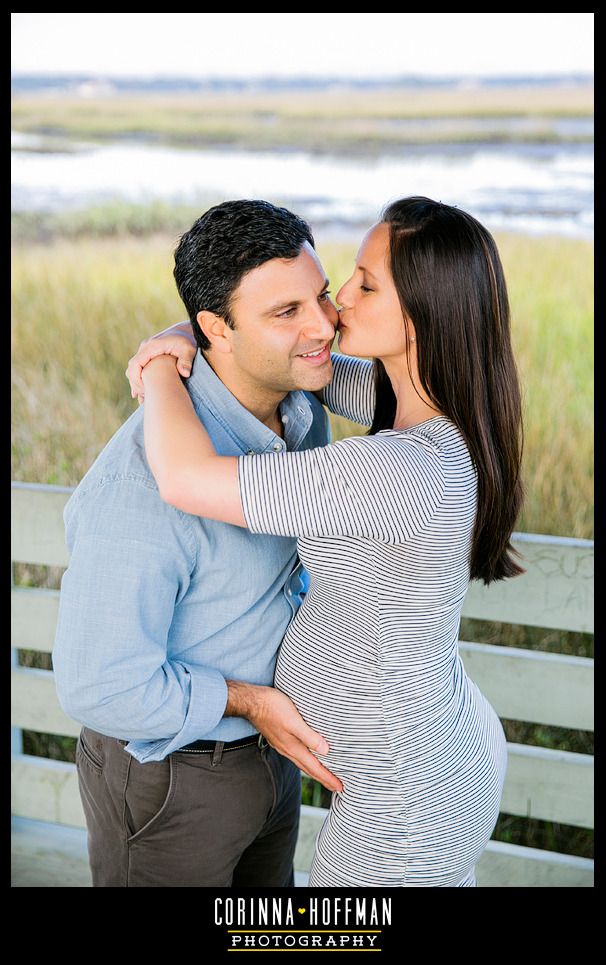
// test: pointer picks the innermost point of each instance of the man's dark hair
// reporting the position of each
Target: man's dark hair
(226, 242)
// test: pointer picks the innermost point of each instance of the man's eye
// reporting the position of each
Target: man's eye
(287, 313)
(325, 296)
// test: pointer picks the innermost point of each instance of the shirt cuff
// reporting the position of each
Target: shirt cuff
(207, 703)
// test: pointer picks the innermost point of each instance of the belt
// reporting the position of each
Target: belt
(208, 747)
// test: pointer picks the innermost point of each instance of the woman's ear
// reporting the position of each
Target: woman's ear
(216, 330)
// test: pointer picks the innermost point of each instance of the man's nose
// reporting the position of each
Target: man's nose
(322, 322)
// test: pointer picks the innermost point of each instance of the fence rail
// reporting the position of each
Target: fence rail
(552, 689)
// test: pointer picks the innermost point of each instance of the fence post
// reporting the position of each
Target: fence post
(16, 732)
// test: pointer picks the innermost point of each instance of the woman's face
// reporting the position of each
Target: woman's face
(371, 321)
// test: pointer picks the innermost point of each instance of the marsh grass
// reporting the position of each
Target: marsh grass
(80, 310)
(114, 219)
(81, 307)
(328, 120)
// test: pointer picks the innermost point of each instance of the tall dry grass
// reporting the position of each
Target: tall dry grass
(81, 308)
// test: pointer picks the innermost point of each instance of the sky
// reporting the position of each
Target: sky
(302, 44)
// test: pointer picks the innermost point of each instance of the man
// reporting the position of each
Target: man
(169, 624)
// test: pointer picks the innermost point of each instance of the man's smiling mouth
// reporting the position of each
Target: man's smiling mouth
(317, 355)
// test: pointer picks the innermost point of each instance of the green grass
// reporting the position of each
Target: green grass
(81, 305)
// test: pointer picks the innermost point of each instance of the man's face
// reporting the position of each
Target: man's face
(282, 312)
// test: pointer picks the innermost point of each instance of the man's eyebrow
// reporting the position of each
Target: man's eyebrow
(280, 306)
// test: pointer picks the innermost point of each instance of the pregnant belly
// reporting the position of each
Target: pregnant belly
(337, 698)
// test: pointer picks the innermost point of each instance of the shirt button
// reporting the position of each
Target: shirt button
(278, 447)
(284, 418)
(250, 452)
(289, 591)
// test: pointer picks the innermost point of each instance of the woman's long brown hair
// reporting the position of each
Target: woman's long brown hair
(450, 282)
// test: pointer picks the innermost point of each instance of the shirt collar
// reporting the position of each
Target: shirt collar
(210, 394)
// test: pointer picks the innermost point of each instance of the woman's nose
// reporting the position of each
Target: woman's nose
(342, 295)
(331, 313)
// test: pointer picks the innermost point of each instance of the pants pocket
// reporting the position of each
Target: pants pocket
(148, 794)
(88, 751)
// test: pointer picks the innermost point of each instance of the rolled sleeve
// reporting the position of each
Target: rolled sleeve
(203, 714)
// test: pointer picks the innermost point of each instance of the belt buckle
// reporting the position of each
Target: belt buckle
(262, 742)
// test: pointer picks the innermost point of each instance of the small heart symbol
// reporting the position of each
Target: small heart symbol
(301, 910)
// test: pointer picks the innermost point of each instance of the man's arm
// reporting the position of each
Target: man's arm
(131, 560)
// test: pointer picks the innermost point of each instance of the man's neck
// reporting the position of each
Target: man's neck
(263, 403)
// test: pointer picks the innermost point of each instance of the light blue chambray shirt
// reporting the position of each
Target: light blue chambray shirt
(158, 607)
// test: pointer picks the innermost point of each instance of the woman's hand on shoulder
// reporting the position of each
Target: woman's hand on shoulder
(178, 340)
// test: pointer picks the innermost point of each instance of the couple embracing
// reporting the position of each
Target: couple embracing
(246, 600)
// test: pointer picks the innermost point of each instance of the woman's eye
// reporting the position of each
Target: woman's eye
(365, 289)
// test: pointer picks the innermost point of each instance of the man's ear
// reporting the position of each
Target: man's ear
(216, 330)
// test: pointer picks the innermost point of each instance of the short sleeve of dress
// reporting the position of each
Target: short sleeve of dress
(351, 391)
(379, 487)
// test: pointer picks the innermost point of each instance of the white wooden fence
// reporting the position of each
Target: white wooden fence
(526, 685)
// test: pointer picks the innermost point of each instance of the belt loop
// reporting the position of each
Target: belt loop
(262, 742)
(217, 753)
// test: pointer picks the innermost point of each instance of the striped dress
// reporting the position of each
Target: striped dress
(384, 526)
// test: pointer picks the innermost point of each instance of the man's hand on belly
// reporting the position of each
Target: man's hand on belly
(276, 717)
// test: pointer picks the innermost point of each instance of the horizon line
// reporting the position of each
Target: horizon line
(303, 77)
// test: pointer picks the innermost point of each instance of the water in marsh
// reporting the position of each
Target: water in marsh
(531, 187)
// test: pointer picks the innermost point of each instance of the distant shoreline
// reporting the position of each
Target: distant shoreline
(60, 141)
(31, 83)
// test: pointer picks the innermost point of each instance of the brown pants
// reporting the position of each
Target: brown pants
(190, 821)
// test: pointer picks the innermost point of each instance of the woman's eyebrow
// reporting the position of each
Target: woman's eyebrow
(367, 272)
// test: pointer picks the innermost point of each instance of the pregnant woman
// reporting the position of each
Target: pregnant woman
(391, 527)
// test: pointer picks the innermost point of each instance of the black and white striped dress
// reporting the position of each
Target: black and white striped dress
(384, 526)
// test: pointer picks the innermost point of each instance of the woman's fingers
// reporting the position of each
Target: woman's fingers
(177, 345)
(133, 374)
